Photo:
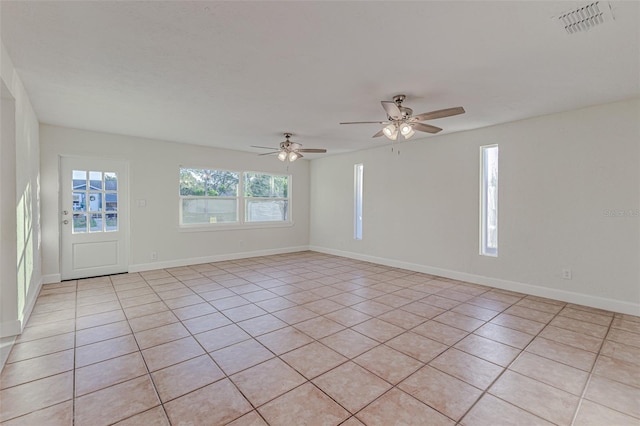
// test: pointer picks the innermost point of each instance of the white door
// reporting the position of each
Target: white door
(94, 217)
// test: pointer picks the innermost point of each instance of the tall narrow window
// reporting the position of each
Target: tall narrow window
(489, 201)
(358, 202)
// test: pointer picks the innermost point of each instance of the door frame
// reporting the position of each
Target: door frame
(126, 211)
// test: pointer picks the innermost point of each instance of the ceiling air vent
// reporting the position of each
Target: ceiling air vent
(586, 17)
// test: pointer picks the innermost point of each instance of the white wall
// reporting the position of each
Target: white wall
(153, 177)
(19, 208)
(558, 175)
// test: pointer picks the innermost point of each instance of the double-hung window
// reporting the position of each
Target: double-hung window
(213, 198)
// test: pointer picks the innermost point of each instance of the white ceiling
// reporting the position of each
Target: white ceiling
(235, 74)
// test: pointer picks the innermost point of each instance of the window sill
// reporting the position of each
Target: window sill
(233, 226)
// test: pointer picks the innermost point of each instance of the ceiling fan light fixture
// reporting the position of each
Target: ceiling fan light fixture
(282, 155)
(408, 135)
(406, 129)
(293, 156)
(391, 131)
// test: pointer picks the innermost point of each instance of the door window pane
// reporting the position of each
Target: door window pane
(111, 222)
(79, 201)
(110, 181)
(111, 201)
(79, 179)
(95, 180)
(95, 224)
(79, 223)
(95, 201)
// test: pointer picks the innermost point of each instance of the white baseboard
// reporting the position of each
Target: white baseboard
(534, 290)
(140, 267)
(51, 279)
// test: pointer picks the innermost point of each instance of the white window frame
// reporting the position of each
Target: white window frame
(241, 223)
(358, 178)
(485, 248)
(245, 198)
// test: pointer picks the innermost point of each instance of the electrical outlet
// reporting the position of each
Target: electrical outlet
(566, 274)
(154, 255)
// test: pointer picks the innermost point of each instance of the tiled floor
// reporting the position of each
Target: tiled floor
(313, 339)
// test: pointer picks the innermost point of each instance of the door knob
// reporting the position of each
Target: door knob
(66, 222)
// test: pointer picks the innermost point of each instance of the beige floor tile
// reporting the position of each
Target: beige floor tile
(319, 327)
(504, 335)
(295, 315)
(552, 308)
(142, 310)
(152, 321)
(471, 369)
(621, 351)
(403, 319)
(425, 310)
(156, 417)
(591, 317)
(267, 381)
(626, 337)
(32, 396)
(531, 314)
(348, 316)
(284, 340)
(107, 373)
(221, 337)
(618, 370)
(46, 330)
(565, 354)
(56, 415)
(181, 302)
(571, 338)
(517, 323)
(450, 396)
(187, 376)
(487, 349)
(275, 304)
(262, 325)
(349, 343)
(313, 359)
(259, 296)
(47, 317)
(623, 324)
(305, 405)
(240, 356)
(372, 308)
(553, 373)
(351, 386)
(545, 401)
(460, 321)
(139, 300)
(592, 414)
(40, 347)
(486, 303)
(441, 302)
(398, 408)
(378, 330)
(615, 395)
(250, 419)
(107, 349)
(580, 327)
(102, 332)
(323, 306)
(244, 312)
(440, 332)
(206, 323)
(215, 404)
(388, 363)
(491, 411)
(167, 354)
(417, 346)
(347, 299)
(100, 319)
(36, 368)
(159, 335)
(476, 312)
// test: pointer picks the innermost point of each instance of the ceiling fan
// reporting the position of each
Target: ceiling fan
(289, 151)
(401, 121)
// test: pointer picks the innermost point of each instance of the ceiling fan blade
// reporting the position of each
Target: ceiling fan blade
(426, 128)
(312, 150)
(377, 135)
(392, 109)
(441, 113)
(270, 153)
(263, 147)
(364, 122)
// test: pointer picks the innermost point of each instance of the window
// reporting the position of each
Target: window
(489, 201)
(210, 197)
(95, 201)
(358, 201)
